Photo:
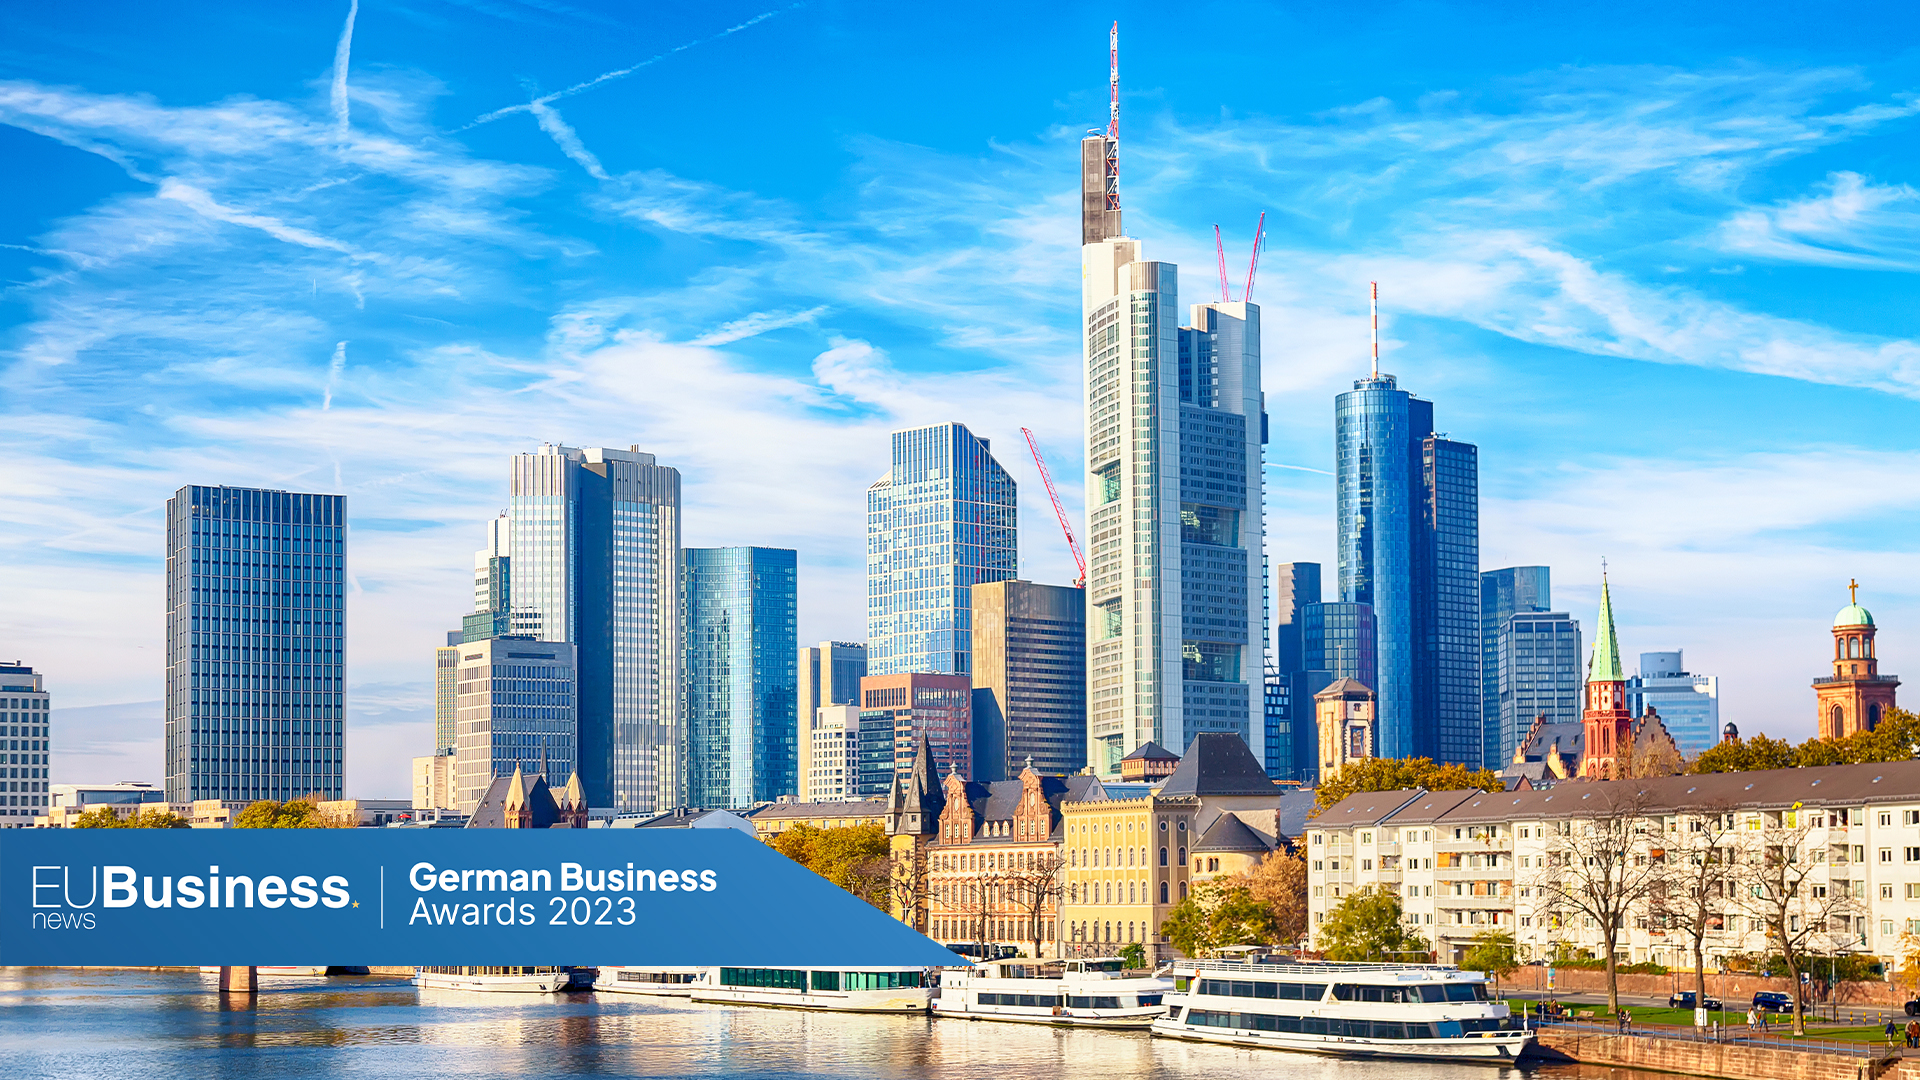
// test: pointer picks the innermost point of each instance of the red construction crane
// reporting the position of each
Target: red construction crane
(1220, 249)
(1259, 234)
(1073, 545)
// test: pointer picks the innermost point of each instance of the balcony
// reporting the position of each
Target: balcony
(1503, 872)
(1387, 847)
(1473, 903)
(1857, 679)
(1482, 843)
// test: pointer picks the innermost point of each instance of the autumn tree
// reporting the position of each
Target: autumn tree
(1597, 867)
(1782, 885)
(1218, 913)
(1692, 891)
(1394, 774)
(1369, 925)
(1280, 883)
(844, 856)
(104, 818)
(1895, 738)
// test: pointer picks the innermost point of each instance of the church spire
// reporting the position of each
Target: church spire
(1606, 646)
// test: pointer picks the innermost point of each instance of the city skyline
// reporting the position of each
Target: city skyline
(1741, 292)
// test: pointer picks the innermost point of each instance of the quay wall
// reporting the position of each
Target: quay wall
(1729, 1061)
(1731, 988)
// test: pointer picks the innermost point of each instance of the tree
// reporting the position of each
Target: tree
(1493, 953)
(1758, 752)
(1216, 914)
(1394, 774)
(1133, 955)
(1369, 925)
(1034, 887)
(104, 818)
(1895, 738)
(850, 856)
(1280, 882)
(292, 814)
(1790, 894)
(1691, 893)
(1597, 867)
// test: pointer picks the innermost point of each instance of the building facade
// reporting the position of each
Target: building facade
(896, 711)
(995, 875)
(1689, 704)
(596, 564)
(740, 677)
(1536, 673)
(942, 520)
(26, 712)
(829, 674)
(436, 783)
(1407, 536)
(255, 637)
(516, 707)
(1344, 717)
(832, 760)
(1029, 679)
(1504, 593)
(1855, 696)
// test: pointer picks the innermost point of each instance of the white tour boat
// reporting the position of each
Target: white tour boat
(669, 981)
(1349, 1010)
(504, 980)
(882, 990)
(1081, 993)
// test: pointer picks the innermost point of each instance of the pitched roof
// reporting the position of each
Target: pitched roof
(1296, 804)
(1366, 807)
(852, 808)
(1342, 687)
(533, 793)
(1151, 750)
(1606, 645)
(923, 793)
(1229, 833)
(1218, 763)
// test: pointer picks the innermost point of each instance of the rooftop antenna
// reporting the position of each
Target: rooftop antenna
(1113, 82)
(1259, 233)
(1376, 329)
(1220, 249)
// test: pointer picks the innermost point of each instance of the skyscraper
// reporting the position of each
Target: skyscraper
(515, 704)
(256, 590)
(829, 675)
(1174, 426)
(742, 731)
(1505, 593)
(1029, 679)
(492, 614)
(1688, 704)
(1536, 672)
(25, 711)
(1407, 535)
(897, 710)
(596, 563)
(942, 520)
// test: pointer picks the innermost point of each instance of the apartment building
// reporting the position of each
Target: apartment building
(1846, 838)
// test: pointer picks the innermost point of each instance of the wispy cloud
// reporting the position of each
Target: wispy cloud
(337, 94)
(1852, 223)
(567, 139)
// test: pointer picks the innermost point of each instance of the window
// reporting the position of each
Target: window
(1886, 854)
(1910, 817)
(1913, 891)
(1183, 859)
(1886, 892)
(1886, 817)
(1913, 854)
(1886, 927)
(1163, 851)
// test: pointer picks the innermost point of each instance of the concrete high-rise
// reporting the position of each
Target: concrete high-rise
(829, 675)
(1029, 679)
(942, 520)
(1505, 593)
(1408, 539)
(256, 592)
(25, 717)
(742, 731)
(1174, 427)
(596, 563)
(516, 707)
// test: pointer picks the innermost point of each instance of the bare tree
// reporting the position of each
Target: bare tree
(1690, 895)
(1035, 887)
(902, 878)
(1598, 867)
(1793, 891)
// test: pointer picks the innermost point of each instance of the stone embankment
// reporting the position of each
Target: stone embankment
(1728, 1060)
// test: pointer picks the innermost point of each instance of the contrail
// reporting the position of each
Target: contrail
(567, 139)
(340, 54)
(333, 376)
(487, 118)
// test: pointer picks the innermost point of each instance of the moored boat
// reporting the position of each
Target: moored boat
(868, 989)
(1078, 993)
(1348, 1010)
(506, 980)
(668, 981)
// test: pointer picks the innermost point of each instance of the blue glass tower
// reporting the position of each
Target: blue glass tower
(741, 676)
(941, 521)
(1408, 545)
(1504, 593)
(256, 591)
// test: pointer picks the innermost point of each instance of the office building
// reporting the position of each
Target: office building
(896, 710)
(742, 733)
(1336, 641)
(517, 708)
(65, 803)
(1174, 427)
(1536, 660)
(1688, 704)
(829, 674)
(25, 710)
(1277, 697)
(832, 772)
(436, 782)
(1029, 679)
(1505, 593)
(1295, 585)
(1407, 535)
(256, 591)
(492, 614)
(942, 520)
(595, 554)
(1289, 753)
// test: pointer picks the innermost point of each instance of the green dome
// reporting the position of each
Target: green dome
(1853, 615)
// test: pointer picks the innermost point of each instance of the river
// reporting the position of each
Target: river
(123, 1025)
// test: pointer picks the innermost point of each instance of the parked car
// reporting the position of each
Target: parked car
(1772, 1001)
(1913, 1007)
(1684, 1000)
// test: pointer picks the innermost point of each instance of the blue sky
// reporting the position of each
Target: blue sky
(1657, 260)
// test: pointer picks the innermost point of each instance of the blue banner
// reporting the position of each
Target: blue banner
(181, 897)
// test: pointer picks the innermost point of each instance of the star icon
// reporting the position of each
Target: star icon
(356, 903)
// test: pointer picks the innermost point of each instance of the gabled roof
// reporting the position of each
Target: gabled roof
(1295, 805)
(1218, 763)
(1366, 808)
(1431, 805)
(491, 813)
(1229, 833)
(1343, 687)
(1151, 751)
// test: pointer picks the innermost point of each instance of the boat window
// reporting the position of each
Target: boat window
(1150, 999)
(1447, 1029)
(781, 978)
(879, 980)
(826, 980)
(1099, 1002)
(1030, 1001)
(1466, 991)
(1344, 992)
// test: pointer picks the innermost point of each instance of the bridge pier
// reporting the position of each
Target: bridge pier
(239, 980)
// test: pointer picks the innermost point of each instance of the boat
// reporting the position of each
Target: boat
(502, 980)
(1405, 1011)
(868, 989)
(668, 981)
(1094, 992)
(303, 972)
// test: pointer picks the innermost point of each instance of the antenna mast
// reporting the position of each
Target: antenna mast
(1259, 233)
(1220, 249)
(1113, 117)
(1376, 329)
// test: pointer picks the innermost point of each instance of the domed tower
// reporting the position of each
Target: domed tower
(1856, 695)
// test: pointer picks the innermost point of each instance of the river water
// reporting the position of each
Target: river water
(124, 1025)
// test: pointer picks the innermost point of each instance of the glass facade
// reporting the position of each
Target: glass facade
(742, 724)
(942, 520)
(1537, 672)
(1688, 704)
(1407, 536)
(896, 710)
(26, 722)
(446, 661)
(256, 591)
(514, 699)
(1029, 679)
(1504, 593)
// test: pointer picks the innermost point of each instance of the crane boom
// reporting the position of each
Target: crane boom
(1259, 234)
(1073, 545)
(1220, 249)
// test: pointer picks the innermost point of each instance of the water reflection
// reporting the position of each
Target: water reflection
(132, 1023)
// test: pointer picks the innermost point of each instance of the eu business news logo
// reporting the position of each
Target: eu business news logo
(58, 902)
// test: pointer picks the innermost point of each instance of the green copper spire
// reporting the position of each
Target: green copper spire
(1606, 647)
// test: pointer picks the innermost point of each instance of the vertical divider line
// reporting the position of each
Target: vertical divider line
(383, 896)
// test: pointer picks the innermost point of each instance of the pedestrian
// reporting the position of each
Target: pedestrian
(1913, 1033)
(1891, 1032)
(1753, 1021)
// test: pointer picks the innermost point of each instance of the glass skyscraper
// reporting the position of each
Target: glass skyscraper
(1505, 593)
(942, 520)
(595, 549)
(256, 590)
(1537, 672)
(742, 730)
(1688, 704)
(1407, 536)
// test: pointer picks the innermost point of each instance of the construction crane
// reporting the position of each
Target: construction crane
(1073, 545)
(1259, 234)
(1220, 249)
